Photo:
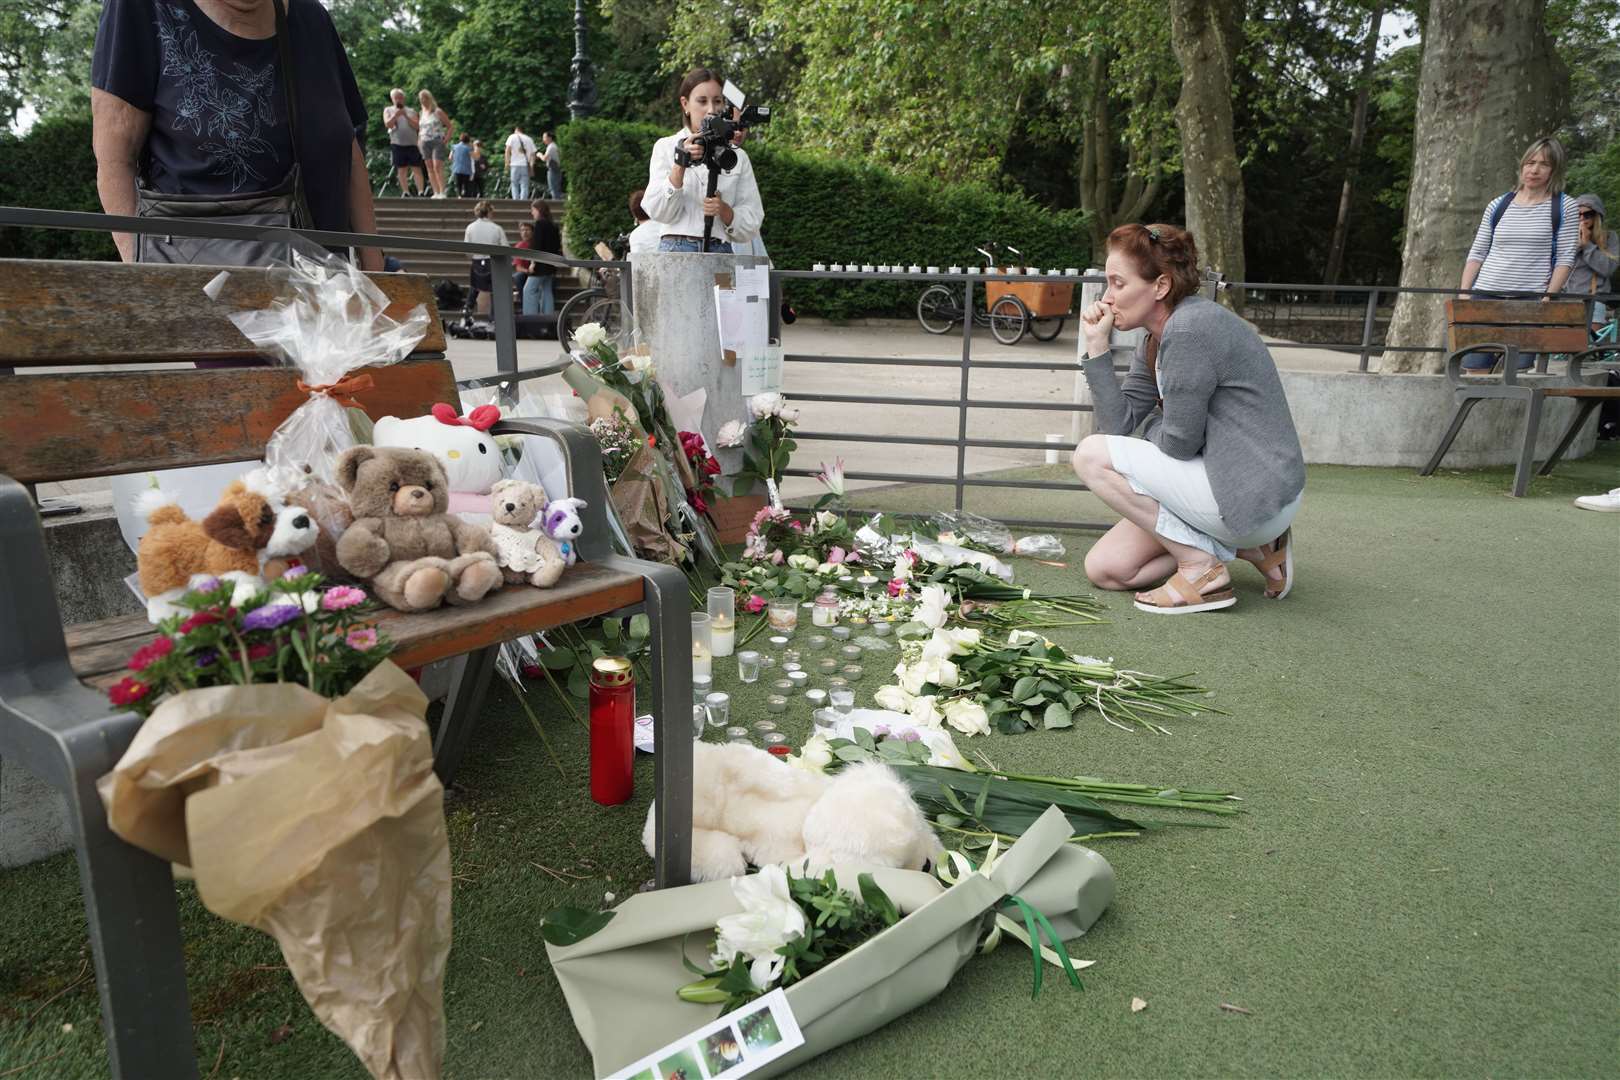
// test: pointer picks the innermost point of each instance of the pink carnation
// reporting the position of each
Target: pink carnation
(342, 596)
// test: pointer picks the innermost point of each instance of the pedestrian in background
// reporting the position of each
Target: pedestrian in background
(461, 166)
(436, 130)
(400, 121)
(519, 154)
(553, 160)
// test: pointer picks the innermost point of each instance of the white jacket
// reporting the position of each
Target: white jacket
(681, 212)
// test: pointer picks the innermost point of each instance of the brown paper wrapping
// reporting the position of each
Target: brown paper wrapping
(320, 822)
(638, 496)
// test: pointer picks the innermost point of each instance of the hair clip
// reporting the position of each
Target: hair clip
(1153, 234)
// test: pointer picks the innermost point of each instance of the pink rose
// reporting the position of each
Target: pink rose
(777, 557)
(837, 555)
(755, 604)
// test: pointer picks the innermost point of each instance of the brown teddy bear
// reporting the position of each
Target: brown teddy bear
(524, 551)
(414, 553)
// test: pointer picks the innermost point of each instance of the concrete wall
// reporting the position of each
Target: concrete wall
(1356, 419)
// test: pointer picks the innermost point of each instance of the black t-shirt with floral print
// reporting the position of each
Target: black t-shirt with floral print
(219, 113)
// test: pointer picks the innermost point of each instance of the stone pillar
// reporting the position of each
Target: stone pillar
(674, 315)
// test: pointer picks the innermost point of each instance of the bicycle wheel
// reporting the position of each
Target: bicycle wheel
(938, 309)
(609, 312)
(1009, 319)
(573, 314)
(1046, 329)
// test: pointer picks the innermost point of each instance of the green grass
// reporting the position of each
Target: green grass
(1425, 734)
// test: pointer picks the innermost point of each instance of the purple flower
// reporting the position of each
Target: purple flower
(911, 736)
(271, 616)
(206, 658)
(296, 570)
(881, 731)
(206, 585)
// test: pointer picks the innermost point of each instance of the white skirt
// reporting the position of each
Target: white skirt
(1188, 513)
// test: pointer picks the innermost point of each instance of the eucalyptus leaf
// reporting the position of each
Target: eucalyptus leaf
(640, 628)
(557, 658)
(568, 926)
(1057, 716)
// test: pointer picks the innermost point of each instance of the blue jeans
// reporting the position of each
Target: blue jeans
(520, 181)
(554, 182)
(693, 247)
(1485, 361)
(538, 295)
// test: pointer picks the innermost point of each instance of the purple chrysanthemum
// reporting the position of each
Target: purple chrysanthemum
(296, 570)
(271, 616)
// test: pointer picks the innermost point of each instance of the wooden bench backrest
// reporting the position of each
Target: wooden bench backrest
(1555, 326)
(66, 426)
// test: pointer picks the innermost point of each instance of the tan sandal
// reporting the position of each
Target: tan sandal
(1178, 596)
(1282, 554)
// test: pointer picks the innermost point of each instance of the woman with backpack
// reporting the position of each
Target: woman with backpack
(1526, 240)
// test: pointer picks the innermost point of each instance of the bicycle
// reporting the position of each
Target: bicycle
(941, 307)
(600, 302)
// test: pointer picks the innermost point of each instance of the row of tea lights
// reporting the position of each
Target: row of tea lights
(868, 268)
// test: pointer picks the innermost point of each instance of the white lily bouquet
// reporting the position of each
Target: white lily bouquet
(636, 960)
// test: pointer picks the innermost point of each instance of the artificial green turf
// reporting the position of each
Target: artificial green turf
(1425, 734)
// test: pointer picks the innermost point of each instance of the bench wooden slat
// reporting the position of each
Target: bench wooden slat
(99, 651)
(1538, 339)
(1517, 312)
(61, 427)
(58, 313)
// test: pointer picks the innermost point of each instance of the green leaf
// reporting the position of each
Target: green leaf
(611, 630)
(1057, 716)
(852, 754)
(640, 628)
(557, 658)
(1025, 688)
(949, 821)
(873, 896)
(579, 684)
(978, 804)
(567, 925)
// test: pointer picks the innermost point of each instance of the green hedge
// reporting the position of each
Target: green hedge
(822, 209)
(51, 168)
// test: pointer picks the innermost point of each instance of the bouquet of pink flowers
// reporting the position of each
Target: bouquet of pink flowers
(294, 631)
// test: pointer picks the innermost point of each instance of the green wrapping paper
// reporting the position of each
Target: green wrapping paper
(621, 982)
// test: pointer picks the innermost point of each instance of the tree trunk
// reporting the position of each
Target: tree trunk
(1205, 35)
(1491, 82)
(1358, 132)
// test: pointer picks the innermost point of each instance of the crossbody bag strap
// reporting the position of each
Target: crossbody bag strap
(301, 215)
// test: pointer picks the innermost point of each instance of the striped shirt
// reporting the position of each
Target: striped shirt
(1519, 256)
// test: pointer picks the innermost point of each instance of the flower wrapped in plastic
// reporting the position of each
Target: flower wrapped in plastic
(329, 321)
(636, 964)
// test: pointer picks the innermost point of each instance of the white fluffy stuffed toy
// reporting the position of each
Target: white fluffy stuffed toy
(751, 808)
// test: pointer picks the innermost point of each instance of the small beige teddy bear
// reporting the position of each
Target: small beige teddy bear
(523, 550)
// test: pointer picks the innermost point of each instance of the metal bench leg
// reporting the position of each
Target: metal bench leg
(462, 707)
(668, 601)
(1527, 452)
(1464, 407)
(135, 937)
(1587, 407)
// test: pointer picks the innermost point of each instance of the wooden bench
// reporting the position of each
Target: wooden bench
(1508, 328)
(54, 720)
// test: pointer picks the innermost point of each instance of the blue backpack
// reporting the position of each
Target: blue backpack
(1557, 215)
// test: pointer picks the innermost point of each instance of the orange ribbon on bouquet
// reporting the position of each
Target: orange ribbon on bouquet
(342, 391)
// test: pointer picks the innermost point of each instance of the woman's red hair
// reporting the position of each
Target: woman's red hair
(1157, 250)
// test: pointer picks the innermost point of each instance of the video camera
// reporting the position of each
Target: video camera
(718, 130)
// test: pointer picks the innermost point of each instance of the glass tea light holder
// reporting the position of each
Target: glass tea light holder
(784, 685)
(723, 620)
(702, 647)
(882, 628)
(789, 667)
(827, 665)
(764, 726)
(701, 685)
(843, 701)
(852, 672)
(783, 615)
(790, 656)
(816, 698)
(799, 680)
(837, 682)
(867, 583)
(776, 743)
(776, 703)
(737, 734)
(748, 666)
(777, 642)
(825, 611)
(850, 654)
(698, 715)
(841, 633)
(719, 709)
(817, 643)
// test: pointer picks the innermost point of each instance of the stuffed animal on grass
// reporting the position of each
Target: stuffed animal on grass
(525, 552)
(248, 528)
(563, 524)
(415, 555)
(751, 808)
(463, 445)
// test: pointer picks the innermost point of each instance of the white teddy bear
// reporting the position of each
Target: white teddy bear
(463, 446)
(750, 808)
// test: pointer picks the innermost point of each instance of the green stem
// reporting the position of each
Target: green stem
(534, 722)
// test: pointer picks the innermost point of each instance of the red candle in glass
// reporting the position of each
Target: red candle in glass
(613, 721)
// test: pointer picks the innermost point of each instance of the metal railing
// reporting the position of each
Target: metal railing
(500, 258)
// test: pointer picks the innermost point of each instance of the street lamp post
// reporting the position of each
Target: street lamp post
(582, 89)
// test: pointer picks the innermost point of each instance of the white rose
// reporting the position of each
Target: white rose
(967, 716)
(762, 405)
(911, 678)
(947, 643)
(802, 562)
(826, 519)
(589, 336)
(893, 698)
(939, 672)
(789, 416)
(933, 607)
(731, 433)
(943, 752)
(925, 712)
(769, 919)
(815, 755)
(1023, 637)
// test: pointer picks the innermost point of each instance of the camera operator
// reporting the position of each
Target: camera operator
(677, 183)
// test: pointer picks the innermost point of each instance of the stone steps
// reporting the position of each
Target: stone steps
(447, 219)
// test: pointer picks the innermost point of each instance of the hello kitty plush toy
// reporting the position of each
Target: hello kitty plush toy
(463, 446)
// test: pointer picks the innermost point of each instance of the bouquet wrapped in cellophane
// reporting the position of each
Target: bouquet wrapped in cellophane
(638, 962)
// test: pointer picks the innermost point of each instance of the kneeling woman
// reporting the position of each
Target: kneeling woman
(1217, 472)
